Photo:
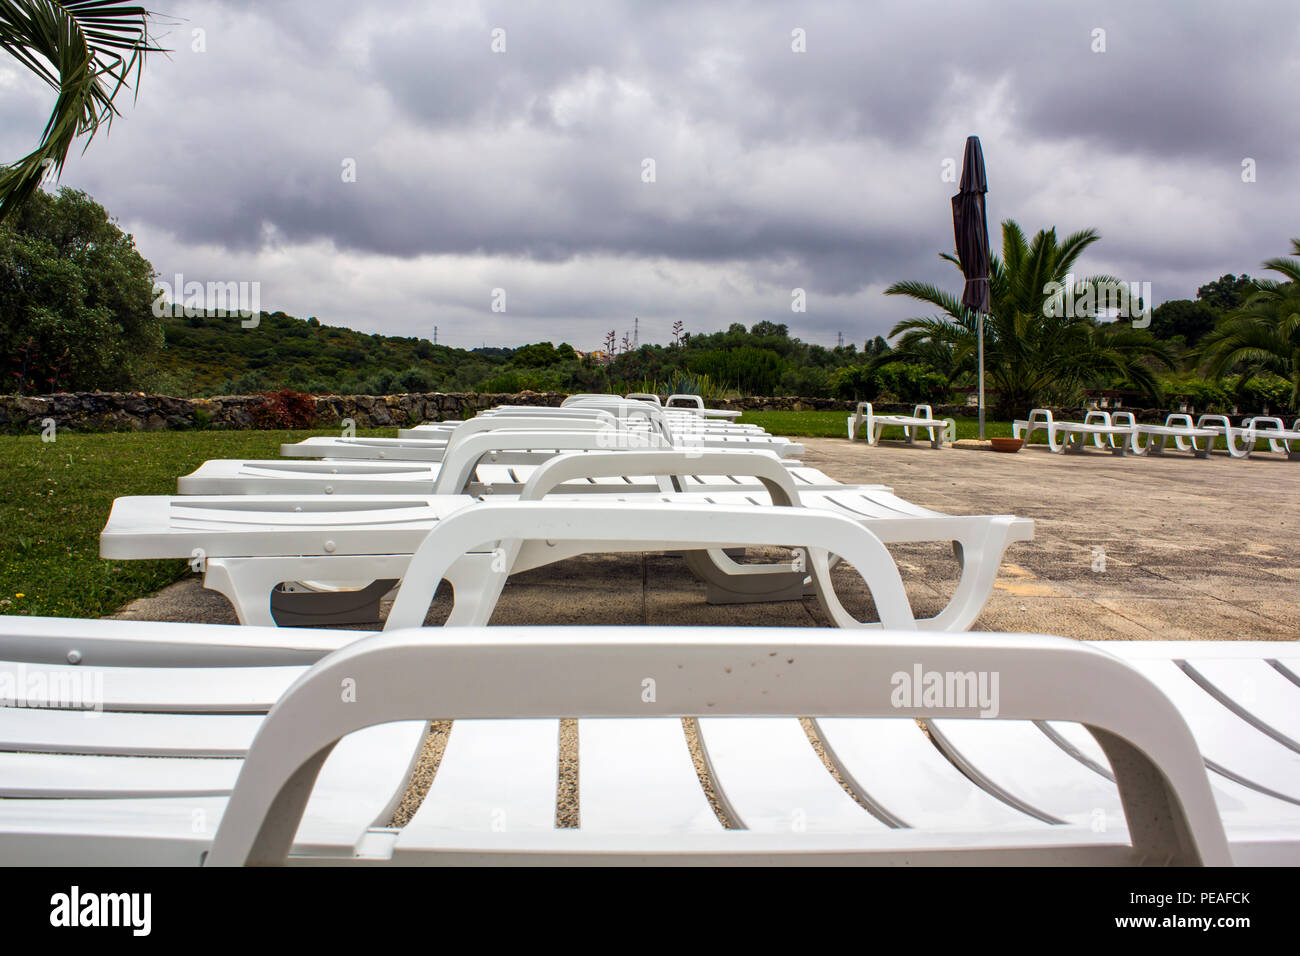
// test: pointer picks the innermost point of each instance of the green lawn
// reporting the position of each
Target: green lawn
(832, 425)
(55, 497)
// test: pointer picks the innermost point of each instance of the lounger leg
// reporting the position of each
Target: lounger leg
(980, 560)
(476, 581)
(727, 582)
(247, 585)
(1230, 436)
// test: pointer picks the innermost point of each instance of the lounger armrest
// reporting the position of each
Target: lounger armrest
(1179, 420)
(1124, 418)
(1097, 417)
(485, 673)
(765, 466)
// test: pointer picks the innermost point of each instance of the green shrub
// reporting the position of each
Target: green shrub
(912, 383)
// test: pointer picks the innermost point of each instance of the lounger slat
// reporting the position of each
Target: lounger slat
(495, 776)
(902, 772)
(248, 690)
(1243, 809)
(62, 776)
(637, 776)
(1022, 762)
(1290, 667)
(140, 735)
(137, 832)
(1258, 690)
(50, 640)
(1224, 739)
(772, 778)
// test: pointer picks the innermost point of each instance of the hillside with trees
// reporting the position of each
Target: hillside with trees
(78, 313)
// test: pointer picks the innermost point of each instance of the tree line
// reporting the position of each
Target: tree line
(76, 300)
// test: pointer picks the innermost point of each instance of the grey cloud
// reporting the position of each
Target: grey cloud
(818, 170)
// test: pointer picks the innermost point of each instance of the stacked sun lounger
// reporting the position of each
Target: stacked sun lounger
(251, 527)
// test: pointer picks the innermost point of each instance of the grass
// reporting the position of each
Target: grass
(55, 497)
(832, 425)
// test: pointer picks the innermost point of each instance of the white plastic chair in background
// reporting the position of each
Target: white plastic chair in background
(921, 419)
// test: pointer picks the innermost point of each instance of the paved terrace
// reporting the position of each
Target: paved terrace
(1192, 550)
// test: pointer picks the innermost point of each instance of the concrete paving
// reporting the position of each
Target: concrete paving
(1171, 548)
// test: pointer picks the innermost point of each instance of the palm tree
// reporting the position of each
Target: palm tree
(1036, 348)
(86, 50)
(1263, 335)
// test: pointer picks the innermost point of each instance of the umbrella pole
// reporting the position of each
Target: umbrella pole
(979, 323)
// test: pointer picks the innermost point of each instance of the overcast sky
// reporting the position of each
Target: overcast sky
(524, 170)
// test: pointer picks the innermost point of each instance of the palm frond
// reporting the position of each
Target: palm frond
(87, 51)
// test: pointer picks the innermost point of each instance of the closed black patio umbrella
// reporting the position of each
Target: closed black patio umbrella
(971, 231)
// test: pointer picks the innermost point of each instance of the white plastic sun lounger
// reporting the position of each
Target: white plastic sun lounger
(1179, 427)
(682, 419)
(1109, 754)
(696, 404)
(679, 402)
(686, 409)
(627, 415)
(921, 419)
(1100, 426)
(1239, 441)
(1279, 436)
(278, 477)
(248, 545)
(433, 449)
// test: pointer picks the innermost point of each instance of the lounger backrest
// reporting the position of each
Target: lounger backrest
(581, 397)
(645, 397)
(765, 466)
(489, 673)
(596, 420)
(691, 401)
(460, 460)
